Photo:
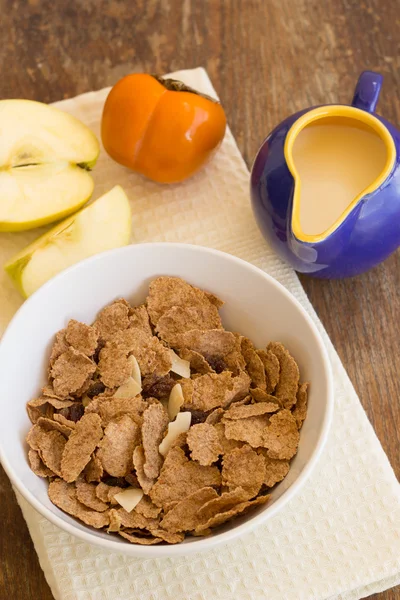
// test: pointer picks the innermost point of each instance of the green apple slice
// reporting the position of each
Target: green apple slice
(104, 224)
(45, 155)
(36, 195)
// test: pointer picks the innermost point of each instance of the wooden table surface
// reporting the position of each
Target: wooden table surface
(267, 59)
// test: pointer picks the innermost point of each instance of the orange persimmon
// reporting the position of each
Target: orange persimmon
(160, 127)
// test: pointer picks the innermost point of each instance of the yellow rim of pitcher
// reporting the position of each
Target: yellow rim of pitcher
(334, 111)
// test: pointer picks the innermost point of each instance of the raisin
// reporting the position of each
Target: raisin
(95, 356)
(96, 389)
(117, 481)
(219, 463)
(216, 363)
(159, 389)
(148, 382)
(198, 416)
(74, 412)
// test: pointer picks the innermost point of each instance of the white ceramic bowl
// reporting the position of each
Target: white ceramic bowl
(256, 305)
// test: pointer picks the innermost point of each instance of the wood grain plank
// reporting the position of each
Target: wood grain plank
(267, 59)
(21, 577)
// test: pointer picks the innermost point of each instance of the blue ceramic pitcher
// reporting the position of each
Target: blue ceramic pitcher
(325, 186)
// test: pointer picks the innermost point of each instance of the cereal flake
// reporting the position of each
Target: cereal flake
(223, 517)
(63, 495)
(243, 468)
(275, 470)
(272, 369)
(136, 539)
(114, 365)
(121, 436)
(86, 493)
(153, 357)
(286, 389)
(37, 465)
(134, 520)
(250, 430)
(82, 337)
(254, 364)
(211, 343)
(111, 319)
(204, 444)
(55, 402)
(300, 410)
(67, 423)
(226, 501)
(250, 410)
(139, 319)
(166, 292)
(146, 483)
(146, 508)
(155, 422)
(71, 370)
(108, 408)
(180, 477)
(259, 395)
(94, 469)
(214, 390)
(105, 492)
(59, 347)
(227, 444)
(33, 437)
(50, 425)
(197, 361)
(80, 445)
(215, 416)
(281, 437)
(180, 319)
(167, 536)
(184, 515)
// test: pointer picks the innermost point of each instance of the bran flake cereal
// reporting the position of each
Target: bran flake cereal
(157, 424)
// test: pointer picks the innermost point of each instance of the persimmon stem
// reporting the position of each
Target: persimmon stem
(174, 85)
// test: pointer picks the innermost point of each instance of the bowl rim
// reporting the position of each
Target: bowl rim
(206, 543)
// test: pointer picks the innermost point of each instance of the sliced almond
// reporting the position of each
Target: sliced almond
(133, 385)
(129, 389)
(175, 428)
(179, 365)
(86, 400)
(175, 401)
(129, 498)
(135, 370)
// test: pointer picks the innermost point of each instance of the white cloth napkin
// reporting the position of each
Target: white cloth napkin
(340, 537)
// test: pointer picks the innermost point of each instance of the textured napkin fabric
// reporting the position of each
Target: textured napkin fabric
(340, 537)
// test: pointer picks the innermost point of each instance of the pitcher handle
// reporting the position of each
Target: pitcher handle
(367, 91)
